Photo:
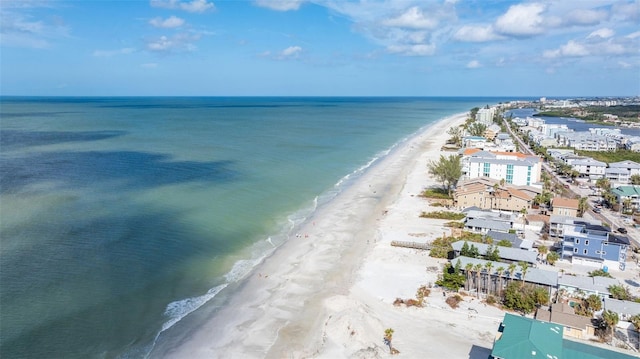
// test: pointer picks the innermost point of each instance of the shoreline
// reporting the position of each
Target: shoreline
(285, 305)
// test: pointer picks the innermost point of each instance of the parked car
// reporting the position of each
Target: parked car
(597, 210)
(622, 230)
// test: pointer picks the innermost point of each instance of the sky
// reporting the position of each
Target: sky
(513, 48)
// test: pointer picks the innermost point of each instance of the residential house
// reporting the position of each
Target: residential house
(522, 337)
(511, 238)
(625, 308)
(537, 277)
(514, 167)
(583, 286)
(594, 245)
(507, 254)
(565, 206)
(482, 225)
(474, 142)
(491, 131)
(557, 223)
(627, 196)
(575, 326)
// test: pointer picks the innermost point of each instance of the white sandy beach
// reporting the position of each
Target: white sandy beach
(330, 295)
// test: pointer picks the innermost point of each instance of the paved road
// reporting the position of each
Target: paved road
(613, 219)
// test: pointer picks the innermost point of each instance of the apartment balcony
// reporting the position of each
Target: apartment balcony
(568, 244)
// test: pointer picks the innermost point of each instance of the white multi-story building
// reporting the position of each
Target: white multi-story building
(485, 115)
(514, 167)
(590, 168)
(621, 172)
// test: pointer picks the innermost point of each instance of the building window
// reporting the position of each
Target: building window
(586, 242)
(577, 240)
(486, 169)
(575, 250)
(509, 174)
(584, 251)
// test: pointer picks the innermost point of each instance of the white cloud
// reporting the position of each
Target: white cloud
(624, 65)
(20, 29)
(413, 18)
(176, 43)
(604, 33)
(570, 49)
(168, 23)
(474, 64)
(476, 33)
(192, 6)
(109, 53)
(280, 5)
(290, 52)
(412, 50)
(633, 35)
(586, 17)
(522, 20)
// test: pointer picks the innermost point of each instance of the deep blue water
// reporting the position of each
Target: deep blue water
(119, 216)
(572, 123)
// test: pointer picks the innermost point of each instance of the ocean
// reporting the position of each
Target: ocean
(121, 216)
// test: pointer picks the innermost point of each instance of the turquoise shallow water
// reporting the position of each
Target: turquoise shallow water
(120, 216)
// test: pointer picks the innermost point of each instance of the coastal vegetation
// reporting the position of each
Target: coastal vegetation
(524, 298)
(611, 156)
(443, 215)
(587, 306)
(552, 257)
(451, 277)
(437, 193)
(447, 170)
(441, 246)
(599, 273)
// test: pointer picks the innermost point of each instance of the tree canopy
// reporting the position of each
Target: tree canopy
(446, 170)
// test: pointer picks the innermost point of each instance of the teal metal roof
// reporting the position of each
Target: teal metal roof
(575, 350)
(626, 191)
(524, 338)
(527, 338)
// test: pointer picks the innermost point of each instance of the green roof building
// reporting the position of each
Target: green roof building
(521, 338)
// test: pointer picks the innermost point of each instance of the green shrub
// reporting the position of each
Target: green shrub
(439, 193)
(443, 215)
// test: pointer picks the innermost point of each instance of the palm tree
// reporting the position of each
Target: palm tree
(524, 266)
(468, 268)
(635, 320)
(626, 205)
(488, 267)
(500, 272)
(582, 206)
(611, 320)
(388, 337)
(477, 268)
(524, 217)
(512, 270)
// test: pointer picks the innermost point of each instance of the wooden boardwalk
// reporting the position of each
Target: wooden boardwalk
(414, 245)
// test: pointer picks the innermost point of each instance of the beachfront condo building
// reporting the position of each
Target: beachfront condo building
(514, 167)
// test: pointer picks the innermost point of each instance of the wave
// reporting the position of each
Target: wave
(176, 311)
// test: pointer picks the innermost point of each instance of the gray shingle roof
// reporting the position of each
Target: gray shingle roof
(534, 275)
(625, 307)
(511, 254)
(594, 284)
(488, 223)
